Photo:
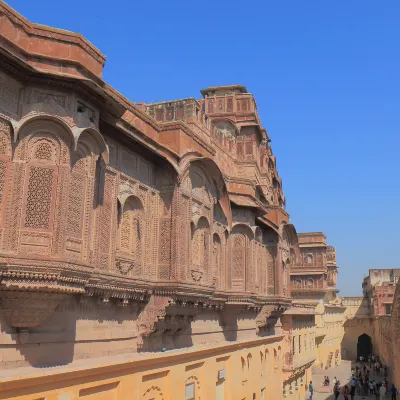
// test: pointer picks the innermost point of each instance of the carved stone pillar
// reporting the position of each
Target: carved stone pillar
(177, 235)
(278, 272)
(104, 215)
(165, 234)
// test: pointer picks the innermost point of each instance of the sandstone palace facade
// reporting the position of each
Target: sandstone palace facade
(145, 250)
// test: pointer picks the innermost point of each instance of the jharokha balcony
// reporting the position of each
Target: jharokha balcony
(308, 285)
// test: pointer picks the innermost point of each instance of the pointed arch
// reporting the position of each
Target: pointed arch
(80, 210)
(241, 257)
(131, 239)
(217, 260)
(21, 125)
(153, 393)
(200, 251)
(214, 176)
(45, 147)
(92, 136)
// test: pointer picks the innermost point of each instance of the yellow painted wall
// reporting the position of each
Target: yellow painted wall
(329, 348)
(249, 366)
(300, 344)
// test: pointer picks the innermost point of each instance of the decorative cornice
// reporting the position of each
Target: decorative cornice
(51, 33)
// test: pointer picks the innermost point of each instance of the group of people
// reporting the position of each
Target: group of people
(379, 389)
(361, 383)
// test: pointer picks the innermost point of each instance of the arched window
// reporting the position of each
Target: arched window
(305, 342)
(41, 178)
(285, 278)
(192, 388)
(200, 250)
(131, 231)
(200, 236)
(76, 201)
(217, 260)
(239, 259)
(309, 259)
(249, 358)
(201, 204)
(266, 358)
(243, 364)
(41, 171)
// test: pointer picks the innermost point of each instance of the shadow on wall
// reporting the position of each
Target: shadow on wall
(75, 330)
(50, 344)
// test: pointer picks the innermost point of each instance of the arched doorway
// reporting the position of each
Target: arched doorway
(364, 346)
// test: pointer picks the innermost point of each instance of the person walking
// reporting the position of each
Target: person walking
(345, 392)
(382, 392)
(393, 392)
(359, 386)
(311, 390)
(377, 387)
(352, 392)
(336, 390)
(334, 383)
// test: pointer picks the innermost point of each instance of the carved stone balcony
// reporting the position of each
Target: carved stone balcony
(295, 363)
(304, 269)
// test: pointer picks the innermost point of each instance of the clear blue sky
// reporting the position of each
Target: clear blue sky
(325, 75)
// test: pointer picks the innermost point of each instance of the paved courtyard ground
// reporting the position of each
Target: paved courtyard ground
(343, 373)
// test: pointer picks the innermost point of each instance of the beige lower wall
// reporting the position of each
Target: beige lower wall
(249, 368)
(82, 330)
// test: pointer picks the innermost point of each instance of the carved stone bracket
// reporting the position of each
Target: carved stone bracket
(270, 317)
(165, 316)
(263, 315)
(153, 312)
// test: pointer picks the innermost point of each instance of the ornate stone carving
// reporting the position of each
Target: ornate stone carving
(153, 312)
(38, 204)
(9, 95)
(196, 275)
(264, 314)
(125, 266)
(68, 224)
